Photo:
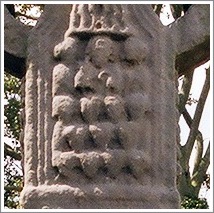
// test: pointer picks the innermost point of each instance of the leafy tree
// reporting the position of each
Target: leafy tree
(188, 184)
(196, 203)
(12, 153)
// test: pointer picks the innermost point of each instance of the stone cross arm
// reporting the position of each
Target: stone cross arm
(15, 45)
(191, 34)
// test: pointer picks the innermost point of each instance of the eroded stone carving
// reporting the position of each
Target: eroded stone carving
(96, 126)
(95, 18)
(99, 98)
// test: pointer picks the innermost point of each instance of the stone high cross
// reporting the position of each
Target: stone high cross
(101, 123)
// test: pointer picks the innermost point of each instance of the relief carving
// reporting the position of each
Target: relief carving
(98, 105)
(100, 100)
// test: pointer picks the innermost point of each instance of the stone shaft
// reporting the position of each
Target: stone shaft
(101, 120)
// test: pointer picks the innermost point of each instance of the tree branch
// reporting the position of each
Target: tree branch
(13, 188)
(157, 8)
(8, 150)
(198, 152)
(185, 90)
(197, 117)
(199, 176)
(199, 141)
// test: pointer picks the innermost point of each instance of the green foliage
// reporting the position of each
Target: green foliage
(12, 183)
(12, 172)
(12, 106)
(194, 203)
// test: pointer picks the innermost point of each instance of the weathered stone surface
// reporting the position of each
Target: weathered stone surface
(101, 120)
(15, 45)
(15, 36)
(192, 38)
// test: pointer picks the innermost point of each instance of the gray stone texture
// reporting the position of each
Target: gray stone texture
(100, 110)
(15, 45)
(15, 37)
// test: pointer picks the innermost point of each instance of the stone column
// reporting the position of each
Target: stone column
(101, 120)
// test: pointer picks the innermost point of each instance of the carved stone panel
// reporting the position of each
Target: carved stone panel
(100, 111)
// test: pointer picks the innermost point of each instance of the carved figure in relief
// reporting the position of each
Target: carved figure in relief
(96, 132)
